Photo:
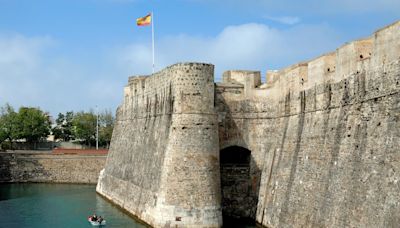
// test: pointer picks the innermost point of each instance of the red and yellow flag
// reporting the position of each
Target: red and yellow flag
(143, 21)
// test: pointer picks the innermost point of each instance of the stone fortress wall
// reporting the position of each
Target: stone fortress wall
(163, 160)
(323, 136)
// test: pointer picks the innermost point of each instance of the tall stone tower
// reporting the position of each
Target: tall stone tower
(163, 164)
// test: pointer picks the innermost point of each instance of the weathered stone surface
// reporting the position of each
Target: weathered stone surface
(327, 147)
(49, 168)
(163, 160)
(323, 136)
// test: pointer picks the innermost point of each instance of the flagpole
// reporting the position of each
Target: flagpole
(152, 35)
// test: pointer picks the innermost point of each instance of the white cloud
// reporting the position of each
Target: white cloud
(248, 46)
(284, 20)
(20, 55)
(30, 75)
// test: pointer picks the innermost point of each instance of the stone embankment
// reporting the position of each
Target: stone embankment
(50, 168)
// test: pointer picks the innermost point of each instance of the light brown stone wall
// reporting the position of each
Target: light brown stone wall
(163, 160)
(50, 168)
(326, 148)
(324, 137)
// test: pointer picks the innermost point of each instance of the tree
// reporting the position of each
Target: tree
(106, 125)
(57, 130)
(3, 133)
(84, 127)
(9, 125)
(33, 124)
(2, 138)
(69, 116)
(63, 128)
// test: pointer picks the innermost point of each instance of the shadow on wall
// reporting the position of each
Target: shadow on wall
(240, 176)
(21, 168)
(239, 191)
(5, 167)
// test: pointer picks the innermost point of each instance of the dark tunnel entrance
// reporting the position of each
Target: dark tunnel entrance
(238, 204)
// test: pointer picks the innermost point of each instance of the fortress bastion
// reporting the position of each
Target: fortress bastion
(317, 145)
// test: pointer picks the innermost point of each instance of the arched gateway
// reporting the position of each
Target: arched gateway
(238, 201)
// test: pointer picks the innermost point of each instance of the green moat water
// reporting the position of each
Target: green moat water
(56, 205)
(64, 205)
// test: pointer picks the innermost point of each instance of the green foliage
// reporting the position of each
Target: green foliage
(9, 125)
(84, 127)
(3, 130)
(106, 126)
(63, 128)
(3, 135)
(33, 124)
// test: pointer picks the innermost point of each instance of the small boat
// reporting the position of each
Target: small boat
(96, 222)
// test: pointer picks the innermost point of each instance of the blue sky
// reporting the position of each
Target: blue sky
(63, 55)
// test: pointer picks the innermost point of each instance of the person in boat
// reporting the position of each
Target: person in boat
(94, 217)
(100, 219)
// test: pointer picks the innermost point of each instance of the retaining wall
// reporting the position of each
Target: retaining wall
(50, 168)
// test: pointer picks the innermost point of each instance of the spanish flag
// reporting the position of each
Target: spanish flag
(143, 21)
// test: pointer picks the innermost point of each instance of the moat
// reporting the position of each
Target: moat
(56, 205)
(64, 205)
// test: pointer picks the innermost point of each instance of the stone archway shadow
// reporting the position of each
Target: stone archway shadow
(239, 197)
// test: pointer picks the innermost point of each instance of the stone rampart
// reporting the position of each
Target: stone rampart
(316, 146)
(50, 168)
(324, 136)
(163, 159)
